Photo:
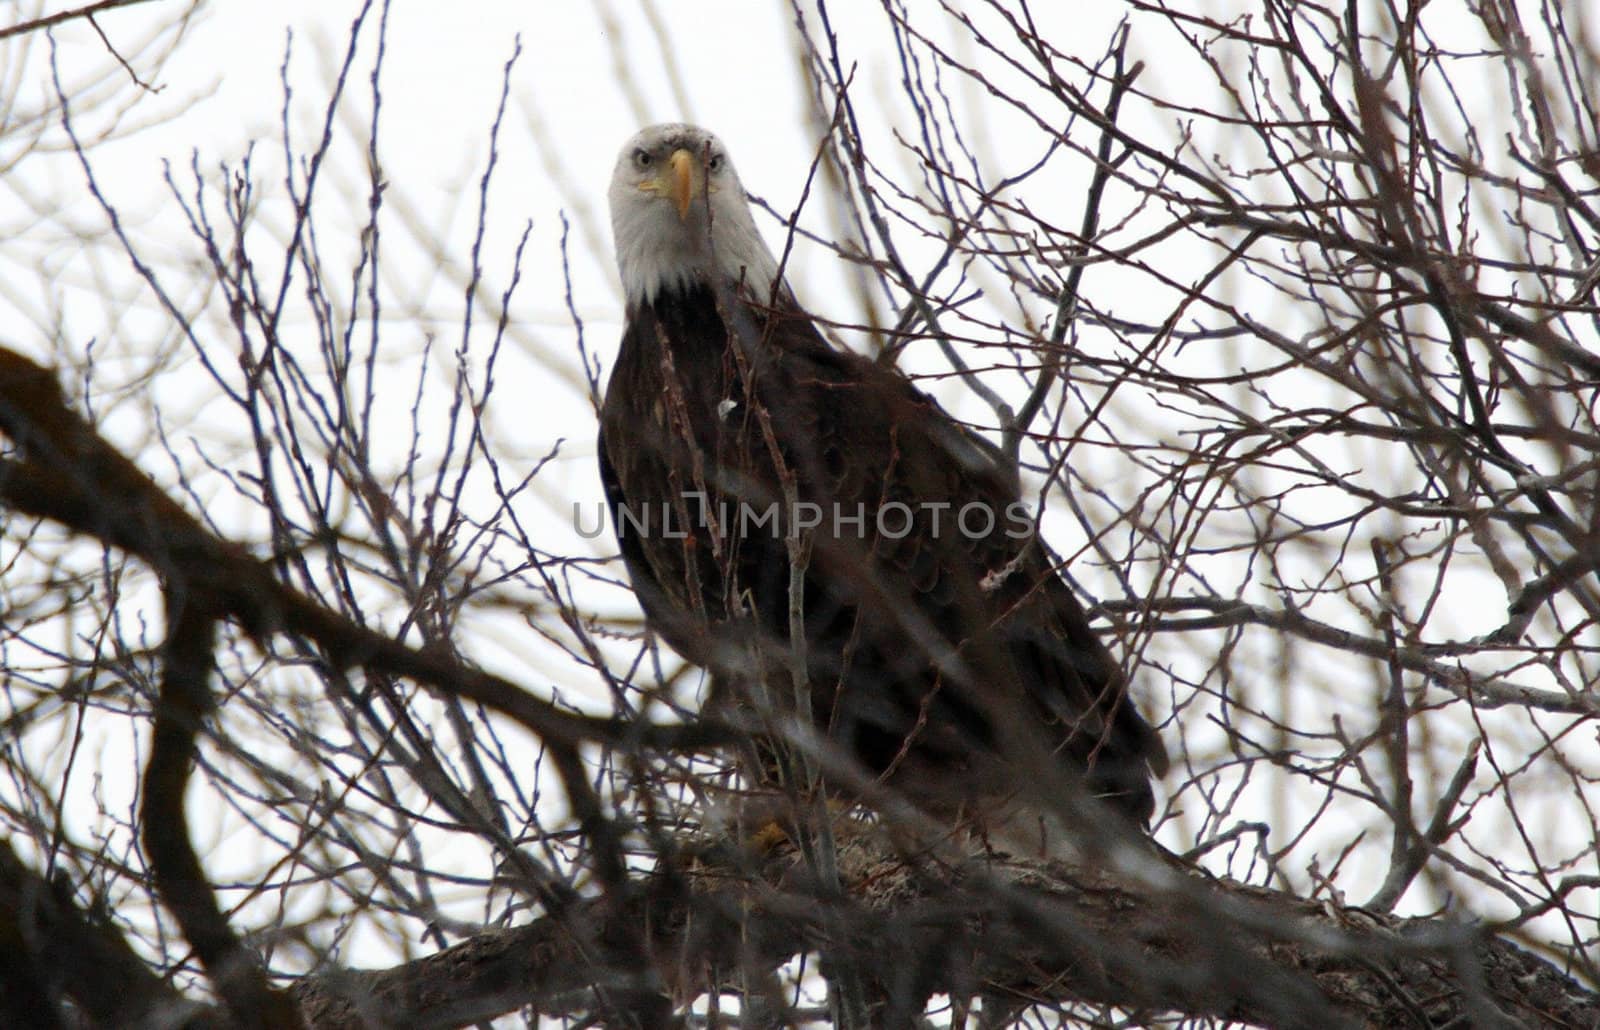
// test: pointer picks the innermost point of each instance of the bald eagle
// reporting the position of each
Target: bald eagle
(828, 542)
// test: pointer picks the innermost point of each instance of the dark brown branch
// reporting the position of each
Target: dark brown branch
(1015, 932)
(185, 699)
(62, 17)
(51, 951)
(74, 477)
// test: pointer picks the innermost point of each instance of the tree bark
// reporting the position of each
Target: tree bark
(1013, 932)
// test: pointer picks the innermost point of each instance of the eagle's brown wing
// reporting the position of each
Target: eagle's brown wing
(937, 630)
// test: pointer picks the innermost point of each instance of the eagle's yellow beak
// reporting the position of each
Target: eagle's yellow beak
(681, 184)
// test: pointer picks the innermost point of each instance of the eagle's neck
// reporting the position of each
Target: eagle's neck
(708, 335)
(695, 317)
(688, 311)
(657, 255)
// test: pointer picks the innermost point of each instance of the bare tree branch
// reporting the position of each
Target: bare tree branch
(61, 17)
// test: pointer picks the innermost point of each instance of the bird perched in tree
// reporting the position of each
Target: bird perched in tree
(826, 540)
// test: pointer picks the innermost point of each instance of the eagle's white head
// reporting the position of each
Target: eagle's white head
(679, 217)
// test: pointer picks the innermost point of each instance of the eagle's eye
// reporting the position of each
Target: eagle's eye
(642, 158)
(715, 164)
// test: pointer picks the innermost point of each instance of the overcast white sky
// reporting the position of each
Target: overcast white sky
(589, 75)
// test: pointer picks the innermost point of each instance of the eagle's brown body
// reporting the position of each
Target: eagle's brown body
(929, 644)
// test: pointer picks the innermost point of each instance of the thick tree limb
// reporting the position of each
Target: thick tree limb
(187, 659)
(1013, 932)
(72, 476)
(51, 951)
